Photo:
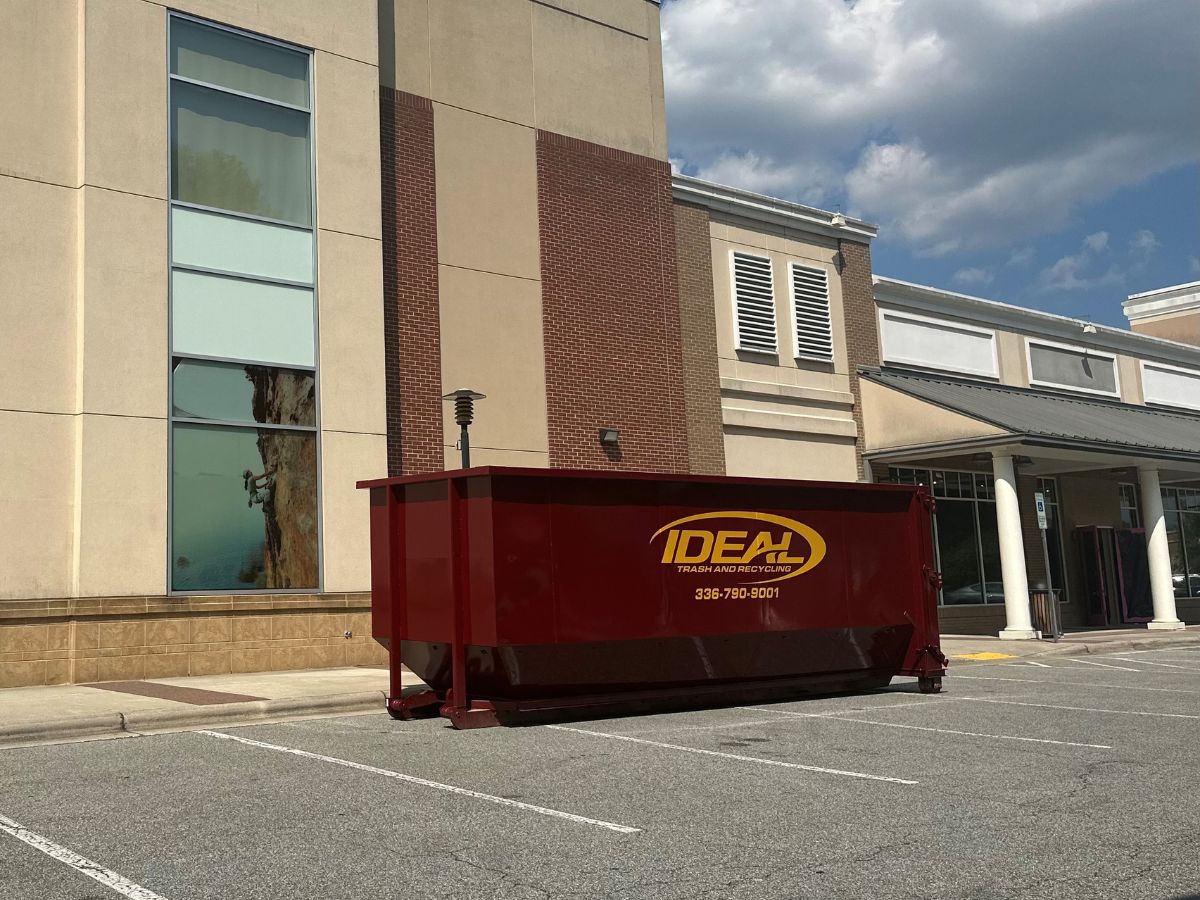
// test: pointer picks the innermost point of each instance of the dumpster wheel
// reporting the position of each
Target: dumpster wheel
(930, 685)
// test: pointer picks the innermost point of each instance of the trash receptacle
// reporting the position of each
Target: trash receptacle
(513, 592)
(1046, 613)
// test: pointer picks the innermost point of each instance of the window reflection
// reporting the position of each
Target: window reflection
(244, 508)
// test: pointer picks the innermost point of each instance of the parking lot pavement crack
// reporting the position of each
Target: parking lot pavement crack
(507, 877)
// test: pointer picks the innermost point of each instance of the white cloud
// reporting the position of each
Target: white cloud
(1022, 257)
(973, 277)
(1144, 243)
(957, 124)
(1076, 271)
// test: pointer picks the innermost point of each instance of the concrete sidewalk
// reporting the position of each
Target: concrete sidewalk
(118, 709)
(121, 709)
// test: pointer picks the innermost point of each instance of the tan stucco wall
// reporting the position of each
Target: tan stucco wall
(1129, 372)
(1184, 327)
(122, 309)
(346, 126)
(492, 342)
(589, 69)
(892, 419)
(1010, 349)
(37, 311)
(782, 417)
(37, 484)
(85, 275)
(39, 63)
(774, 454)
(487, 213)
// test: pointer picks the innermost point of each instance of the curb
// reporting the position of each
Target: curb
(159, 721)
(1096, 648)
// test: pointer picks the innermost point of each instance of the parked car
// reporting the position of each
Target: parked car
(975, 593)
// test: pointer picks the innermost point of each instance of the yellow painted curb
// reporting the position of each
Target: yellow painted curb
(984, 655)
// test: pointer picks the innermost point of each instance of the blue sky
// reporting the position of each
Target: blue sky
(1040, 152)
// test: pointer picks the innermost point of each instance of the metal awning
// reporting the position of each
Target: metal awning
(1054, 419)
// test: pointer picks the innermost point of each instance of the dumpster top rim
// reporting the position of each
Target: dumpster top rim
(486, 471)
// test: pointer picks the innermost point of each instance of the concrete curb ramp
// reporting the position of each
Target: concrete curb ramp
(159, 721)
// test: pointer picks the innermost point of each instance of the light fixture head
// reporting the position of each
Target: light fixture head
(610, 437)
(464, 404)
(838, 221)
(1089, 328)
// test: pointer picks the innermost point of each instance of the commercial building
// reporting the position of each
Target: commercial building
(990, 404)
(249, 247)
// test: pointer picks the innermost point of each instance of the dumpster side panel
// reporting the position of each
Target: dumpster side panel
(573, 584)
(524, 561)
(383, 600)
(427, 553)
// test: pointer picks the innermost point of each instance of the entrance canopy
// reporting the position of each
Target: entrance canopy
(908, 414)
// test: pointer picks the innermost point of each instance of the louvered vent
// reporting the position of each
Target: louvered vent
(810, 301)
(754, 300)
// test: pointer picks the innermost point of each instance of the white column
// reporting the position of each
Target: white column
(1018, 625)
(1162, 590)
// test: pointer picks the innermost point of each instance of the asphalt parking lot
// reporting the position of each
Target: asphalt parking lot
(1070, 778)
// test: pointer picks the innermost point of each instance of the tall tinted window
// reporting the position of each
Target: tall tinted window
(965, 534)
(243, 383)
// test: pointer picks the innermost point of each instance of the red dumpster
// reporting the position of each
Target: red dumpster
(513, 592)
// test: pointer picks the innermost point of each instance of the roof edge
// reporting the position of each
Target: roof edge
(1006, 315)
(767, 210)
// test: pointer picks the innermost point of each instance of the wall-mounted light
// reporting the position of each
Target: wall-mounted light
(610, 437)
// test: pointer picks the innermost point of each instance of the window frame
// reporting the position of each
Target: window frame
(1135, 507)
(1030, 342)
(797, 352)
(992, 374)
(1054, 503)
(1165, 367)
(171, 16)
(733, 292)
(975, 499)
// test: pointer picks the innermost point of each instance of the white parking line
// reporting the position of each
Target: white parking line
(84, 866)
(1092, 662)
(1043, 681)
(1002, 737)
(739, 758)
(1118, 712)
(1147, 662)
(412, 779)
(1030, 662)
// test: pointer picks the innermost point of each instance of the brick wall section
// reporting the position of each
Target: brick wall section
(411, 320)
(610, 307)
(698, 325)
(862, 330)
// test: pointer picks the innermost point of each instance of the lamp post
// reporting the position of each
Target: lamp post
(464, 414)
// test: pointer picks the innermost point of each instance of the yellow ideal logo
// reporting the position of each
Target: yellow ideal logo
(769, 549)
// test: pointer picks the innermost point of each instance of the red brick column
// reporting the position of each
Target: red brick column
(862, 329)
(411, 321)
(610, 307)
(698, 320)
